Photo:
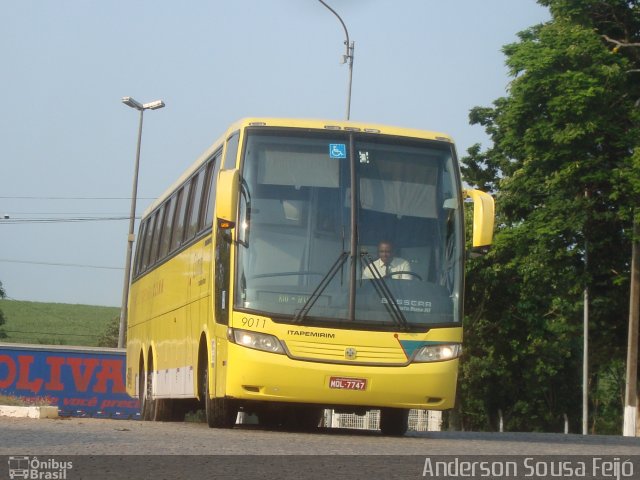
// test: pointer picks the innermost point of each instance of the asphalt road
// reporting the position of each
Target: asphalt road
(136, 449)
(75, 436)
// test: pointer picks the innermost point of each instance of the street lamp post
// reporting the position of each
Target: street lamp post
(141, 107)
(348, 58)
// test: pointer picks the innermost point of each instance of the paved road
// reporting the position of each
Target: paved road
(112, 449)
(73, 436)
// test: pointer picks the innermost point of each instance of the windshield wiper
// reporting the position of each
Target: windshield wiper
(383, 291)
(308, 305)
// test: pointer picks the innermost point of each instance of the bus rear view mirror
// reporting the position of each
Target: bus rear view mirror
(483, 218)
(227, 191)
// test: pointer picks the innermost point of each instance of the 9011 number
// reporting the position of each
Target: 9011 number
(251, 322)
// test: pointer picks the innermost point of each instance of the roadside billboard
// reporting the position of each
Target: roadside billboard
(80, 381)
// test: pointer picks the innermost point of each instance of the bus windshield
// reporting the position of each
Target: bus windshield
(294, 239)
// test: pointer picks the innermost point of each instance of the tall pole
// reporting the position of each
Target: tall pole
(585, 364)
(585, 339)
(141, 107)
(130, 239)
(631, 385)
(348, 58)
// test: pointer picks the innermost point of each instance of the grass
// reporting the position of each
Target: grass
(55, 323)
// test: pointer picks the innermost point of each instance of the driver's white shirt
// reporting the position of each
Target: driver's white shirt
(397, 265)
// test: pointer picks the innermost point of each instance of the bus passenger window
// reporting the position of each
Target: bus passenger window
(178, 224)
(165, 240)
(146, 248)
(210, 196)
(139, 251)
(153, 257)
(194, 205)
(232, 151)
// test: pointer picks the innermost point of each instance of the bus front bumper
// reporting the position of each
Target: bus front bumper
(260, 376)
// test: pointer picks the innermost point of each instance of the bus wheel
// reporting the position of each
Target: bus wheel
(151, 405)
(394, 421)
(144, 395)
(221, 412)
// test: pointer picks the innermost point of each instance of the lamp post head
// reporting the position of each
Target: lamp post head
(153, 105)
(133, 103)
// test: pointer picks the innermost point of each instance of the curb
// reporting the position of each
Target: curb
(28, 412)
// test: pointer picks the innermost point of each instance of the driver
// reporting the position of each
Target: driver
(387, 264)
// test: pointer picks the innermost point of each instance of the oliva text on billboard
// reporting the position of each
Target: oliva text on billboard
(79, 381)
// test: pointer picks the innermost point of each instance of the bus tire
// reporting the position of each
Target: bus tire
(394, 421)
(220, 412)
(143, 393)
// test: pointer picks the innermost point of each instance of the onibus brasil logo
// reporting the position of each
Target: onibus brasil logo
(33, 468)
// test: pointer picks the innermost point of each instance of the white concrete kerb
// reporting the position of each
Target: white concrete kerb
(28, 412)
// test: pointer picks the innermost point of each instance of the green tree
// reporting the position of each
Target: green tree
(563, 169)
(109, 338)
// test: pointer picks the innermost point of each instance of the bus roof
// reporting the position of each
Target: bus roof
(319, 124)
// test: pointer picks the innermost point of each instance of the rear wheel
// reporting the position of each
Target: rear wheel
(394, 421)
(144, 392)
(220, 412)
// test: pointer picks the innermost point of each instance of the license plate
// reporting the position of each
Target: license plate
(348, 383)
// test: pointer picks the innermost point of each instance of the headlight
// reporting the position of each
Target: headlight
(438, 353)
(259, 341)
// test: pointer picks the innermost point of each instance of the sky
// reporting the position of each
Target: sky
(67, 143)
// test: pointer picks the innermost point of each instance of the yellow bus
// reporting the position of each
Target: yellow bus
(257, 285)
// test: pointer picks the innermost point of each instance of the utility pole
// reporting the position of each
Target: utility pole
(630, 426)
(131, 102)
(348, 58)
(585, 338)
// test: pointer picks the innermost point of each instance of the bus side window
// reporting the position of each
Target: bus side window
(210, 195)
(159, 215)
(231, 152)
(139, 250)
(146, 248)
(194, 204)
(178, 224)
(165, 241)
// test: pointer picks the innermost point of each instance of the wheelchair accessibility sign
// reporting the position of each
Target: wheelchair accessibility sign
(337, 150)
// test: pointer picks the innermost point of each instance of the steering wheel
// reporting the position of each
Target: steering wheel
(406, 272)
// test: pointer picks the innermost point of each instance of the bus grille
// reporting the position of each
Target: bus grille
(347, 354)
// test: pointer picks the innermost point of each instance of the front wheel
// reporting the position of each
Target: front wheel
(394, 421)
(220, 412)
